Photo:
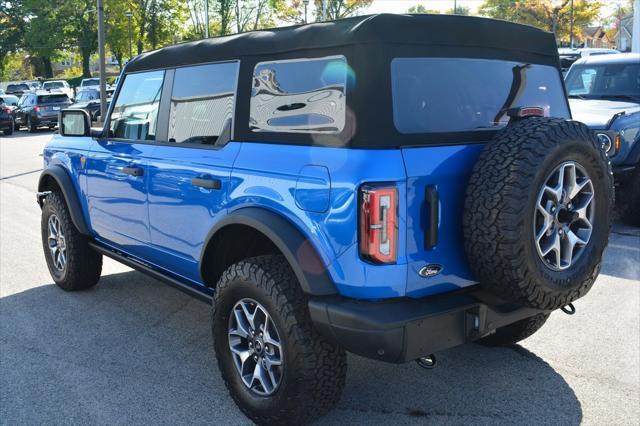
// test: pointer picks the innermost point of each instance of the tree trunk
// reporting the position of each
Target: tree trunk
(86, 62)
(48, 69)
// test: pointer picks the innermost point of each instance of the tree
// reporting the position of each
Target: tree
(550, 15)
(80, 17)
(12, 29)
(337, 9)
(43, 44)
(117, 29)
(460, 10)
(421, 9)
(224, 10)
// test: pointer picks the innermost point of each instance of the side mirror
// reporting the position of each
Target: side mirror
(75, 122)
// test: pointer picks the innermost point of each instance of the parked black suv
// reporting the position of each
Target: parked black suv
(37, 109)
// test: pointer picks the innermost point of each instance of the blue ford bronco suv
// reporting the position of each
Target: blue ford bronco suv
(388, 185)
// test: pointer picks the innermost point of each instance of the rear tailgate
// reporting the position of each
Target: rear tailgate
(50, 105)
(447, 170)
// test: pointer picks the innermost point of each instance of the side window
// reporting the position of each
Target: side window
(202, 102)
(299, 96)
(135, 112)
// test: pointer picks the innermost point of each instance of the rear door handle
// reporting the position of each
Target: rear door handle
(208, 183)
(133, 171)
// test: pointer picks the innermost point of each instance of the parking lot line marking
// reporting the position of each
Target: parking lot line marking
(20, 174)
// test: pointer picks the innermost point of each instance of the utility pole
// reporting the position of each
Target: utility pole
(306, 3)
(101, 53)
(324, 10)
(635, 36)
(455, 7)
(571, 27)
(206, 18)
(129, 16)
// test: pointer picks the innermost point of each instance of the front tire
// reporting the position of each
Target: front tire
(32, 128)
(310, 371)
(73, 265)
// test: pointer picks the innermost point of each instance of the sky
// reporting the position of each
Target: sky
(401, 6)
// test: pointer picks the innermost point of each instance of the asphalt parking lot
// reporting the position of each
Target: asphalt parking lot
(134, 351)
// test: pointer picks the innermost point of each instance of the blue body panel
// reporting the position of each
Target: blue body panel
(162, 219)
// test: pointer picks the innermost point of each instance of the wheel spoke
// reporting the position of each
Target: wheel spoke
(242, 327)
(261, 376)
(547, 220)
(248, 315)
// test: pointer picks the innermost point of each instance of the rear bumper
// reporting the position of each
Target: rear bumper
(402, 330)
(44, 120)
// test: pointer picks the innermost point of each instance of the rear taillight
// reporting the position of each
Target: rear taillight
(379, 223)
(36, 108)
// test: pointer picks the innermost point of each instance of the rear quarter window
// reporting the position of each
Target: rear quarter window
(299, 96)
(435, 95)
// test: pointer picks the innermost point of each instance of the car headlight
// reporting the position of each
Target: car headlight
(605, 142)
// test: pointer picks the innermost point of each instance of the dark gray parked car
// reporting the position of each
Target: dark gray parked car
(604, 93)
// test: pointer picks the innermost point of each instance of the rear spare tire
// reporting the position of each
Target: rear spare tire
(537, 212)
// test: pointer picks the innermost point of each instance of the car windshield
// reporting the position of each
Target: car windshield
(53, 85)
(52, 99)
(432, 95)
(90, 82)
(88, 95)
(602, 81)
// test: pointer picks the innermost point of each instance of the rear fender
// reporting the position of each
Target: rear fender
(305, 261)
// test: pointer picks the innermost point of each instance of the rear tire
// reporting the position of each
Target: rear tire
(312, 372)
(513, 333)
(32, 128)
(9, 131)
(74, 265)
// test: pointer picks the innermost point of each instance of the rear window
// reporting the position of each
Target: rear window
(52, 99)
(17, 87)
(434, 95)
(53, 85)
(90, 82)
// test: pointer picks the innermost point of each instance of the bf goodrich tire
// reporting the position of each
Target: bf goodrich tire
(629, 200)
(71, 261)
(513, 333)
(261, 326)
(537, 212)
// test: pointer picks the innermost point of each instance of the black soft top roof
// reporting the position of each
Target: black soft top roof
(420, 30)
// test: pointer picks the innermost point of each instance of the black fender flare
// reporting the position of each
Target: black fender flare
(62, 178)
(306, 263)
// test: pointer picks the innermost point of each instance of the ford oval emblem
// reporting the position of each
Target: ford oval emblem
(431, 270)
